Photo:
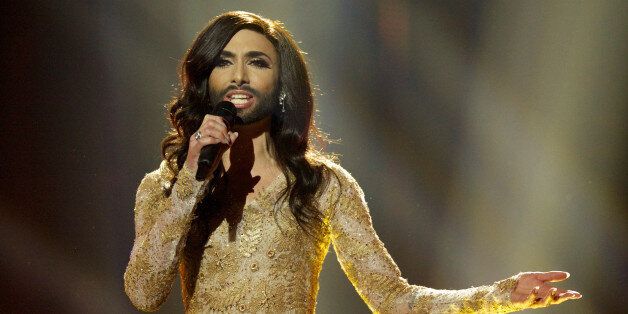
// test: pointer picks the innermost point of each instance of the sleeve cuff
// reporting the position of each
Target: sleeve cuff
(507, 286)
(186, 184)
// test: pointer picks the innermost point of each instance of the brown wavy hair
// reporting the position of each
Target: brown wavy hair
(293, 133)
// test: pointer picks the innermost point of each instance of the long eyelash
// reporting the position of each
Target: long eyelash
(222, 63)
(260, 63)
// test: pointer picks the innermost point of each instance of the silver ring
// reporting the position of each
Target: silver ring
(197, 135)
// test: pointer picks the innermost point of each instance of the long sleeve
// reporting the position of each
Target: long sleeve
(161, 226)
(377, 278)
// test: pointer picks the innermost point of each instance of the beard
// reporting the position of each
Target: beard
(262, 108)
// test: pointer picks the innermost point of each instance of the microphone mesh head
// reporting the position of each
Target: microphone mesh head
(226, 110)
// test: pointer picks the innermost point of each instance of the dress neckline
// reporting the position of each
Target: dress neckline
(268, 189)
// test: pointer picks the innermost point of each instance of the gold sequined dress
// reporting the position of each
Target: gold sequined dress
(264, 263)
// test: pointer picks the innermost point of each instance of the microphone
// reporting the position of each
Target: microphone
(210, 153)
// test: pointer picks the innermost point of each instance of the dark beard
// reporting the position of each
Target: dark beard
(263, 108)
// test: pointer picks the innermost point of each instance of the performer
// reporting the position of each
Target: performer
(253, 234)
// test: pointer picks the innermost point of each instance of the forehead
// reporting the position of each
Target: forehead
(248, 40)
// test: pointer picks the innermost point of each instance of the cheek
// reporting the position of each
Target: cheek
(212, 82)
(218, 79)
(266, 81)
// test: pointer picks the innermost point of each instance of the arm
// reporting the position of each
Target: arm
(161, 226)
(162, 223)
(378, 280)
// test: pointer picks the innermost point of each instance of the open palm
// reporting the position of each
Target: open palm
(533, 290)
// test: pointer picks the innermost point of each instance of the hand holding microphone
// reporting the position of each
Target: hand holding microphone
(211, 140)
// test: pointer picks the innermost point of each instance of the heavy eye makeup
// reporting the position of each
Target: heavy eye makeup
(257, 62)
(254, 58)
(221, 62)
(260, 63)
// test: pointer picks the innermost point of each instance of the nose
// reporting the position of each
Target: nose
(240, 74)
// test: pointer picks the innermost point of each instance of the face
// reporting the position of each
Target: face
(246, 75)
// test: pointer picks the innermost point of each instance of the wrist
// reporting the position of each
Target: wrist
(190, 166)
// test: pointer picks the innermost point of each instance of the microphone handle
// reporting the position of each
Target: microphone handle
(210, 154)
(208, 159)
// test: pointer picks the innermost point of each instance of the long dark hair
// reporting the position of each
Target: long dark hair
(293, 132)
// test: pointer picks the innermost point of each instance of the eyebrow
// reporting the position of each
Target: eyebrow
(250, 54)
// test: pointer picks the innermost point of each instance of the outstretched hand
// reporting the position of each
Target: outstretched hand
(534, 291)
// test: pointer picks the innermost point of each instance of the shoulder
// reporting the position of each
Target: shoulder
(342, 193)
(336, 175)
(159, 178)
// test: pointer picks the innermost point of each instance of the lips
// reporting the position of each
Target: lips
(240, 98)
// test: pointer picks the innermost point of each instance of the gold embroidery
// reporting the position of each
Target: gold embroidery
(223, 274)
(507, 285)
(185, 184)
(250, 238)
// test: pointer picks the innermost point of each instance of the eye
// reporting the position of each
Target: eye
(222, 62)
(260, 63)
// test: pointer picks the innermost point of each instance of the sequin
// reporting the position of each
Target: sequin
(224, 273)
(185, 186)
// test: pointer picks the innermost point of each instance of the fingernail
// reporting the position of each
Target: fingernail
(576, 294)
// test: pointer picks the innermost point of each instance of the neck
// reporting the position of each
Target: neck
(252, 150)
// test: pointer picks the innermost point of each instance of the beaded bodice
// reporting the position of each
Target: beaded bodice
(261, 261)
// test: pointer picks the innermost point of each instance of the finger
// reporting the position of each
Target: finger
(217, 119)
(220, 136)
(218, 125)
(209, 120)
(553, 276)
(562, 297)
(195, 136)
(533, 296)
(205, 118)
(559, 293)
(213, 128)
(204, 141)
(569, 295)
(205, 134)
(233, 136)
(575, 294)
(545, 302)
(210, 123)
(550, 297)
(544, 291)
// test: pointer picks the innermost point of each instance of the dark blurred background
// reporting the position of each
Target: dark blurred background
(489, 137)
